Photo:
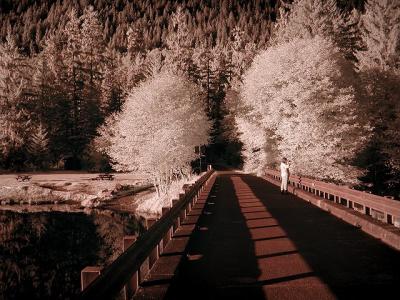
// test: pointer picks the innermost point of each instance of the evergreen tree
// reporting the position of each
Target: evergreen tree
(12, 77)
(38, 147)
(14, 118)
(310, 18)
(133, 66)
(242, 54)
(80, 74)
(74, 75)
(202, 58)
(92, 45)
(53, 103)
(135, 42)
(380, 29)
(179, 42)
(92, 61)
(112, 96)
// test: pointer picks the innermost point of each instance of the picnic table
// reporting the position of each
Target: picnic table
(104, 176)
(23, 177)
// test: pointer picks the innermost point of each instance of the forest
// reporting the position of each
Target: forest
(71, 70)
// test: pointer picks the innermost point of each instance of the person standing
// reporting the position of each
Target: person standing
(284, 175)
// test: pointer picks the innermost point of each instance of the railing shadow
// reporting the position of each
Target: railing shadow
(220, 263)
(334, 258)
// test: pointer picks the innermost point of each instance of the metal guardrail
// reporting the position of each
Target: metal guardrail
(381, 208)
(129, 264)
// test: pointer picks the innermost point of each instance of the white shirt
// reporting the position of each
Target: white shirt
(284, 169)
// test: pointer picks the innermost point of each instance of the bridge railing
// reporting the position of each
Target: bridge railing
(381, 208)
(130, 268)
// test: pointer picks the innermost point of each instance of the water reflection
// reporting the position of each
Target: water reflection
(42, 254)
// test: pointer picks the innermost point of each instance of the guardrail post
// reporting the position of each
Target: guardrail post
(88, 274)
(160, 247)
(154, 254)
(177, 220)
(186, 187)
(144, 270)
(194, 200)
(182, 215)
(388, 219)
(133, 283)
(190, 203)
(127, 241)
(367, 211)
(168, 235)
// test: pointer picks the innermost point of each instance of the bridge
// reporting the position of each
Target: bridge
(235, 236)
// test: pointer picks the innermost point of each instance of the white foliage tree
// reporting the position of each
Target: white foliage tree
(252, 136)
(303, 91)
(162, 120)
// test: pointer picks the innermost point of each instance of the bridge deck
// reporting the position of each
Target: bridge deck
(251, 242)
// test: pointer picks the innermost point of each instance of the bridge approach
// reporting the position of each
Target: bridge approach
(240, 238)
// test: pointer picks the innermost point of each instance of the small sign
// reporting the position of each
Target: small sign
(200, 149)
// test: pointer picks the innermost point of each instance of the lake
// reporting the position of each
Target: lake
(43, 253)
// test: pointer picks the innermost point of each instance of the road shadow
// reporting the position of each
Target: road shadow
(251, 242)
(341, 261)
(220, 261)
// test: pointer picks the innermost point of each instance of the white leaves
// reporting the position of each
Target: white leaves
(162, 121)
(252, 135)
(301, 91)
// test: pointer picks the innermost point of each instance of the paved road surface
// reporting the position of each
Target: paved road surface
(251, 242)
